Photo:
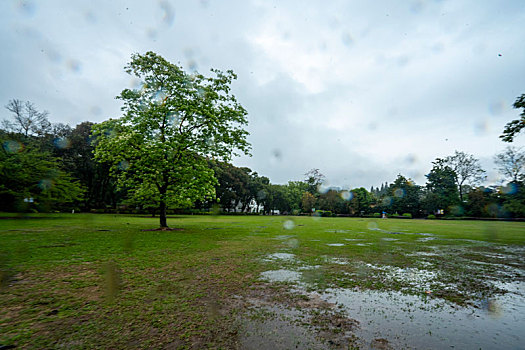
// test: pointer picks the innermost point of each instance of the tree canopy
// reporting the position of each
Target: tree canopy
(514, 127)
(158, 148)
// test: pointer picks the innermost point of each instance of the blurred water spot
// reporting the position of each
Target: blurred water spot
(159, 96)
(123, 165)
(192, 65)
(438, 47)
(261, 194)
(335, 244)
(168, 14)
(276, 155)
(52, 54)
(399, 193)
(496, 108)
(45, 184)
(90, 17)
(151, 33)
(456, 210)
(127, 244)
(411, 159)
(347, 39)
(416, 7)
(292, 243)
(387, 201)
(372, 225)
(347, 195)
(62, 142)
(510, 188)
(113, 280)
(481, 127)
(323, 188)
(174, 118)
(492, 209)
(95, 110)
(135, 83)
(74, 65)
(288, 224)
(12, 146)
(26, 7)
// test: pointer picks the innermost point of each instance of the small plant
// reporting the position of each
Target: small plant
(376, 215)
(431, 216)
(407, 215)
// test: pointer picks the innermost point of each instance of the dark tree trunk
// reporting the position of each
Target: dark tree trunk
(163, 219)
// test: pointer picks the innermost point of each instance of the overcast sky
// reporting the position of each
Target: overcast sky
(362, 90)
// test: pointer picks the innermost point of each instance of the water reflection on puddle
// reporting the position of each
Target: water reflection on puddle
(408, 321)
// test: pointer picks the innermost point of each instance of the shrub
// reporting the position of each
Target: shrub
(431, 216)
(407, 215)
(377, 215)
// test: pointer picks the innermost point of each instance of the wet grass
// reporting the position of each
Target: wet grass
(87, 281)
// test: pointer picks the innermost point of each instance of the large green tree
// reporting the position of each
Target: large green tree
(158, 148)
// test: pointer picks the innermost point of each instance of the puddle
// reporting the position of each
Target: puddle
(426, 239)
(409, 276)
(335, 244)
(364, 244)
(338, 261)
(353, 239)
(388, 239)
(277, 331)
(410, 322)
(281, 276)
(280, 256)
(338, 231)
(283, 237)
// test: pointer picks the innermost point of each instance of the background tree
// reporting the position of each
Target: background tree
(360, 202)
(511, 163)
(314, 179)
(158, 147)
(405, 195)
(27, 120)
(514, 127)
(467, 170)
(308, 202)
(32, 179)
(442, 191)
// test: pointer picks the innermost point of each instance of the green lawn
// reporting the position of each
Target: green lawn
(85, 281)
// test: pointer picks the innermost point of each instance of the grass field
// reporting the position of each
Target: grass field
(86, 281)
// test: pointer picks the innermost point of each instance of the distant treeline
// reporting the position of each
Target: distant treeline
(47, 167)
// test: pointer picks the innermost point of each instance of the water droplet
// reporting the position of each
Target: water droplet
(62, 142)
(511, 188)
(12, 146)
(261, 194)
(347, 39)
(399, 193)
(288, 224)
(159, 96)
(168, 14)
(95, 110)
(74, 65)
(45, 184)
(123, 165)
(386, 201)
(372, 225)
(347, 195)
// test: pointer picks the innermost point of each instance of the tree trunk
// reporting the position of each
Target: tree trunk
(163, 219)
